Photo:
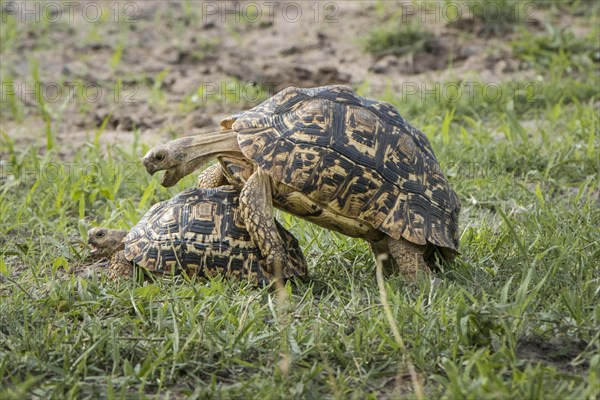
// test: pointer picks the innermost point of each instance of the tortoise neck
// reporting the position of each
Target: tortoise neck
(203, 148)
(119, 235)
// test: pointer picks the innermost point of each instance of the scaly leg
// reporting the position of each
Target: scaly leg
(408, 258)
(256, 205)
(120, 267)
(212, 177)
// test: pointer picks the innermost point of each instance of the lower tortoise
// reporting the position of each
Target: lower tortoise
(199, 232)
(330, 156)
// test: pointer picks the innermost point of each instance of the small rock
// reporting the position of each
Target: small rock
(470, 50)
(291, 50)
(385, 64)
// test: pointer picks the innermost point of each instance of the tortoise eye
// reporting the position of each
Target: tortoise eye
(159, 157)
(100, 234)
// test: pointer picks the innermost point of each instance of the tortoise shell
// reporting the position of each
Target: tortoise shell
(356, 156)
(200, 231)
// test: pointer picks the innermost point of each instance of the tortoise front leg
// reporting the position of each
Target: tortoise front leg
(119, 266)
(212, 177)
(256, 206)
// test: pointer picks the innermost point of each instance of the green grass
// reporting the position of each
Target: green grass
(395, 38)
(501, 16)
(516, 316)
(560, 50)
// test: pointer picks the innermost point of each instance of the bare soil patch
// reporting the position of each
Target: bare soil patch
(559, 352)
(171, 68)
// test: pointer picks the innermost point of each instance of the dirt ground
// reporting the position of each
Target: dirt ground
(174, 68)
(559, 351)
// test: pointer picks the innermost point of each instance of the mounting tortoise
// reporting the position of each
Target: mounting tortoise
(342, 161)
(199, 231)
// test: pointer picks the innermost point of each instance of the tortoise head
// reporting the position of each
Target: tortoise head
(181, 157)
(170, 157)
(104, 242)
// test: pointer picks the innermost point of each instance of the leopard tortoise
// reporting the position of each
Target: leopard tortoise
(342, 161)
(199, 231)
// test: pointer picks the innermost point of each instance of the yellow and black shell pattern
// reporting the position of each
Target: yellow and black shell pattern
(355, 156)
(201, 232)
